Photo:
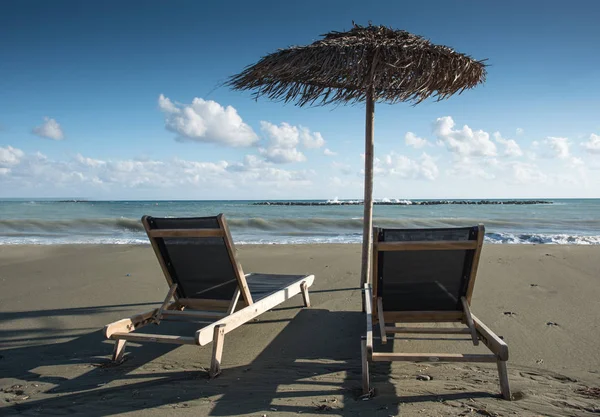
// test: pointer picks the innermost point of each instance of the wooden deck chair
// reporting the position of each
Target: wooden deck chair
(205, 280)
(427, 276)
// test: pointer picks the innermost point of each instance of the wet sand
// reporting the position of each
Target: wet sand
(56, 299)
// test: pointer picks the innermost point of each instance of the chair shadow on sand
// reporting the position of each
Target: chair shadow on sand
(90, 349)
(311, 355)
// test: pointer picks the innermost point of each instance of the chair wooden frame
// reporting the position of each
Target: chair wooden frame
(220, 316)
(473, 326)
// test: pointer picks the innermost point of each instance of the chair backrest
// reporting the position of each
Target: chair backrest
(198, 255)
(426, 269)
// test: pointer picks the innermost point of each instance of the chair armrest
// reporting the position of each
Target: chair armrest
(491, 340)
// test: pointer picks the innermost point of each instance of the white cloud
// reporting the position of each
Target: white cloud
(22, 171)
(428, 168)
(310, 140)
(557, 147)
(206, 121)
(463, 142)
(329, 152)
(404, 167)
(283, 140)
(254, 169)
(526, 173)
(592, 145)
(575, 162)
(34, 174)
(166, 105)
(10, 156)
(279, 177)
(282, 155)
(531, 155)
(250, 162)
(413, 140)
(511, 147)
(468, 168)
(283, 136)
(90, 162)
(50, 129)
(519, 131)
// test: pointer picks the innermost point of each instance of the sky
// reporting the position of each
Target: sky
(124, 100)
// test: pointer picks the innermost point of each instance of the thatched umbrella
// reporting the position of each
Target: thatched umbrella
(372, 63)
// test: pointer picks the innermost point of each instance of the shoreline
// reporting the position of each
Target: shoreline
(300, 244)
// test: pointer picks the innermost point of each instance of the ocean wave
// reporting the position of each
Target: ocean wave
(123, 230)
(354, 223)
(83, 224)
(284, 225)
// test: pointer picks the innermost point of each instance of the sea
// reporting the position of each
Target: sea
(52, 222)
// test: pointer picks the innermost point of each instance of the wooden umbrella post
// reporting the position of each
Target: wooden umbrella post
(368, 199)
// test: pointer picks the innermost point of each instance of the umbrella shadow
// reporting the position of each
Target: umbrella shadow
(315, 344)
(314, 365)
(303, 364)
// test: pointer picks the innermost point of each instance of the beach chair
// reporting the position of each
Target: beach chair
(427, 276)
(206, 281)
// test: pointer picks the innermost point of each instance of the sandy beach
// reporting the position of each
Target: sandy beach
(543, 299)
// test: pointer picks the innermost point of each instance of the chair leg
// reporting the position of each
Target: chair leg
(381, 319)
(503, 375)
(304, 289)
(217, 353)
(119, 350)
(365, 368)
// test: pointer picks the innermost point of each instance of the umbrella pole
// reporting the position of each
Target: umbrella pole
(368, 198)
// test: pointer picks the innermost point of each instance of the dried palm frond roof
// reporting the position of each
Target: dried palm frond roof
(344, 66)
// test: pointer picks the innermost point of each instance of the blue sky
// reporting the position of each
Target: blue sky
(81, 114)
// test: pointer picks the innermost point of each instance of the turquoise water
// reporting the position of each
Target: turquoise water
(569, 221)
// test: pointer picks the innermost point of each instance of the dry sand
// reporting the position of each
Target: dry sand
(54, 300)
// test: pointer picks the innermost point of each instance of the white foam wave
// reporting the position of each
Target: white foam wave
(538, 238)
(73, 241)
(492, 238)
(338, 201)
(308, 238)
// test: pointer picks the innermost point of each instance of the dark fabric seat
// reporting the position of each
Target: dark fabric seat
(424, 280)
(263, 285)
(201, 267)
